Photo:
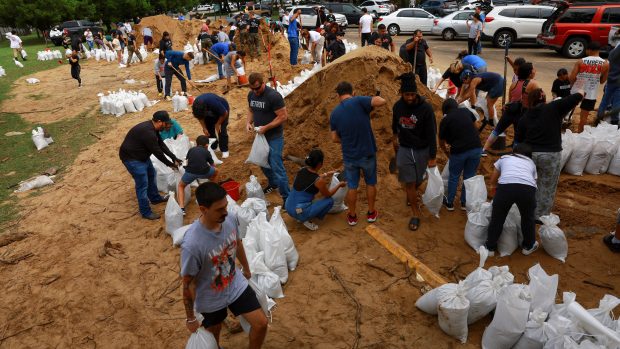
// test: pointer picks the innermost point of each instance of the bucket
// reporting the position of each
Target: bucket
(190, 100)
(242, 80)
(232, 189)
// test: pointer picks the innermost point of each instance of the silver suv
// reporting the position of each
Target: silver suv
(515, 23)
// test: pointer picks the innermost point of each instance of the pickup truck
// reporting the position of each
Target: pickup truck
(74, 28)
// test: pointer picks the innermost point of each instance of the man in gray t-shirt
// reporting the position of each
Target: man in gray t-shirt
(208, 253)
(268, 113)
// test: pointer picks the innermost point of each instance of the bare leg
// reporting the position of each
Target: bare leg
(215, 330)
(583, 119)
(258, 330)
(412, 197)
(351, 200)
(371, 193)
(181, 194)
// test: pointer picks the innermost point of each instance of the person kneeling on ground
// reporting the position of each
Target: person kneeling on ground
(415, 142)
(514, 182)
(307, 184)
(208, 252)
(458, 129)
(612, 240)
(171, 129)
(199, 166)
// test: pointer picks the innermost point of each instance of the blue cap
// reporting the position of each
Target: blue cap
(466, 74)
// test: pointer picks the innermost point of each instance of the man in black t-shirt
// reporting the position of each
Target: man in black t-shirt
(382, 38)
(561, 85)
(268, 114)
(254, 25)
(131, 48)
(415, 51)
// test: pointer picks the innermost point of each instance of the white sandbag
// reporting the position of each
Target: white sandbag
(338, 196)
(307, 58)
(265, 279)
(19, 64)
(556, 329)
(179, 234)
(179, 146)
(583, 145)
(475, 191)
(256, 204)
(232, 207)
(263, 300)
(479, 274)
(119, 108)
(433, 195)
(33, 81)
(276, 221)
(129, 107)
(183, 103)
(477, 226)
(271, 243)
(201, 339)
(481, 103)
(175, 102)
(509, 320)
(253, 189)
(602, 153)
(503, 274)
(535, 335)
(452, 311)
(543, 288)
(604, 311)
(482, 299)
(173, 215)
(552, 238)
(508, 241)
(137, 103)
(614, 164)
(568, 144)
(37, 182)
(145, 100)
(428, 302)
(445, 176)
(38, 137)
(593, 326)
(165, 177)
(259, 154)
(245, 215)
(2, 71)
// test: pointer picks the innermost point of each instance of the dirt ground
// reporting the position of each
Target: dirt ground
(92, 273)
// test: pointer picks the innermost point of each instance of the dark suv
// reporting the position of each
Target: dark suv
(572, 26)
(352, 12)
(440, 8)
(75, 28)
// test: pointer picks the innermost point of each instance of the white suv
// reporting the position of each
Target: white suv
(377, 7)
(308, 17)
(515, 23)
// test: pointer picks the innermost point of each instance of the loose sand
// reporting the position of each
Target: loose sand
(100, 276)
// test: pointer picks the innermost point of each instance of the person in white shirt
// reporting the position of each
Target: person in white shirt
(147, 34)
(316, 41)
(90, 39)
(127, 27)
(514, 182)
(221, 35)
(365, 28)
(16, 44)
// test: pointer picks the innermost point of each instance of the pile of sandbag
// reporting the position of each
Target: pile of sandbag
(525, 316)
(40, 139)
(594, 151)
(305, 74)
(179, 102)
(120, 102)
(48, 55)
(433, 77)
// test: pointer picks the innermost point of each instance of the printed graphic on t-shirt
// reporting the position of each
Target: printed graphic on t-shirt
(223, 259)
(588, 77)
(408, 122)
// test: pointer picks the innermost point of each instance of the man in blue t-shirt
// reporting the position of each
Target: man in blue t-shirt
(220, 50)
(174, 59)
(212, 112)
(293, 35)
(350, 126)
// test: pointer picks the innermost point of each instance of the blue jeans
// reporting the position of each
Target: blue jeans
(611, 97)
(294, 42)
(220, 68)
(467, 163)
(276, 175)
(300, 206)
(143, 174)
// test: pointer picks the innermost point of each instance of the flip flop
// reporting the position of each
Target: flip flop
(414, 223)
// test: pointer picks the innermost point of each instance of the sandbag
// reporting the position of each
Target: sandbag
(244, 215)
(614, 164)
(271, 243)
(339, 195)
(535, 335)
(568, 144)
(503, 274)
(259, 154)
(482, 299)
(165, 178)
(129, 107)
(179, 146)
(261, 296)
(253, 189)
(428, 302)
(188, 189)
(38, 137)
(307, 58)
(475, 192)
(179, 234)
(276, 221)
(477, 226)
(543, 288)
(479, 274)
(508, 241)
(591, 325)
(433, 195)
(604, 311)
(265, 279)
(583, 145)
(37, 182)
(173, 215)
(137, 103)
(201, 339)
(602, 153)
(445, 176)
(509, 320)
(552, 238)
(452, 311)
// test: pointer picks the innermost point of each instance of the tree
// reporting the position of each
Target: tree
(42, 14)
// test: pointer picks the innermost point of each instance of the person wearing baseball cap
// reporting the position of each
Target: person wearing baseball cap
(140, 142)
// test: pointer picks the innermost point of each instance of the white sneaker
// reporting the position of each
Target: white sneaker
(311, 226)
(531, 250)
(491, 253)
(225, 155)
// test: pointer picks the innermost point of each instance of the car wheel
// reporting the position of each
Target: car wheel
(503, 37)
(575, 48)
(448, 34)
(393, 29)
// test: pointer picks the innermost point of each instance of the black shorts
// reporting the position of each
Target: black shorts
(588, 104)
(245, 303)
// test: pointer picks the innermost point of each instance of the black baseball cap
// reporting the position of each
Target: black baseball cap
(161, 115)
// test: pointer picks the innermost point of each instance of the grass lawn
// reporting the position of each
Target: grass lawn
(19, 159)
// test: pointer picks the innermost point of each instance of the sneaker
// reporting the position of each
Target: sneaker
(163, 199)
(371, 217)
(538, 222)
(491, 253)
(153, 216)
(531, 250)
(225, 155)
(269, 188)
(352, 220)
(160, 94)
(463, 206)
(168, 98)
(484, 153)
(310, 225)
(607, 240)
(183, 209)
(449, 206)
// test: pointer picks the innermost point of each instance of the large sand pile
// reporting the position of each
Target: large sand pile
(180, 31)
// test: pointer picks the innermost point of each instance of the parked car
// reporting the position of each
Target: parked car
(350, 11)
(74, 28)
(453, 25)
(571, 27)
(407, 20)
(206, 8)
(508, 24)
(308, 17)
(440, 8)
(377, 7)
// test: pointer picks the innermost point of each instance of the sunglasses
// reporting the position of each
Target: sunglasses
(256, 88)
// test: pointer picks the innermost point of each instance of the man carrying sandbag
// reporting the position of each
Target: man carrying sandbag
(140, 142)
(268, 113)
(211, 282)
(212, 111)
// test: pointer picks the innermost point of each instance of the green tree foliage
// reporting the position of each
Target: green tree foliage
(42, 14)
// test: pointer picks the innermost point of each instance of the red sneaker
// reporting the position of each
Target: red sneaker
(352, 220)
(372, 216)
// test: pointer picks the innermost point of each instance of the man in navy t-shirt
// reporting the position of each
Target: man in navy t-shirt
(350, 126)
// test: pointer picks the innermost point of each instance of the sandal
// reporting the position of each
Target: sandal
(414, 223)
